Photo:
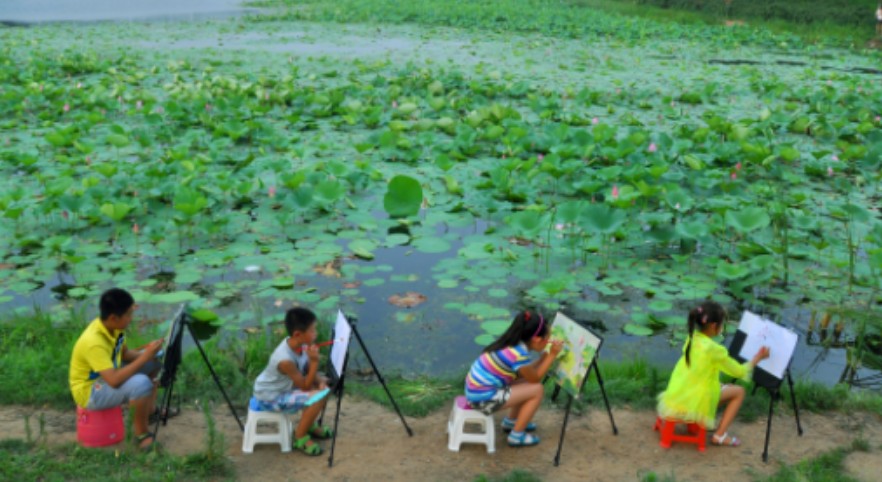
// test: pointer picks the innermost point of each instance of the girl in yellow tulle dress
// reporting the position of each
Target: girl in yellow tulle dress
(694, 391)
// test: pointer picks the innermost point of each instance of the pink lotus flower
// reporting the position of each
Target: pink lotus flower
(66, 108)
(266, 96)
(677, 206)
(207, 107)
(88, 161)
(829, 171)
(738, 166)
(595, 121)
(64, 214)
(159, 109)
(138, 105)
(41, 87)
(559, 227)
(673, 103)
(119, 99)
(135, 228)
(539, 158)
(835, 157)
(652, 147)
(394, 104)
(79, 85)
(733, 176)
(615, 192)
(878, 118)
(272, 191)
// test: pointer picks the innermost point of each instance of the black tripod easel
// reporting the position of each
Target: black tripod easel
(172, 359)
(771, 383)
(338, 389)
(563, 429)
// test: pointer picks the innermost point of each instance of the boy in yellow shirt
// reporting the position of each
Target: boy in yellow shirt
(105, 373)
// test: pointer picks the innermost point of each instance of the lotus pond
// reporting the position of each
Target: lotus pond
(430, 181)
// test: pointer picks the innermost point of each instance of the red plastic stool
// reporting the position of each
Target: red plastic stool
(99, 428)
(697, 433)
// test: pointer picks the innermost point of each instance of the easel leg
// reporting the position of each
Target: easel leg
(214, 375)
(793, 400)
(339, 392)
(382, 382)
(772, 395)
(563, 431)
(603, 392)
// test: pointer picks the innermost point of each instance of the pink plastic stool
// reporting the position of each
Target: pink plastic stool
(100, 428)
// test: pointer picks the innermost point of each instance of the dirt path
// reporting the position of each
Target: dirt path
(373, 445)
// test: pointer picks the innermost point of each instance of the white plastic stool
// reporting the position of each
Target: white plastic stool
(463, 414)
(283, 437)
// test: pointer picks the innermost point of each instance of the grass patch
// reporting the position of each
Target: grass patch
(416, 398)
(516, 475)
(39, 344)
(827, 467)
(22, 460)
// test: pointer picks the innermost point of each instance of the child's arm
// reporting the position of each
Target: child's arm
(117, 376)
(731, 367)
(304, 382)
(534, 372)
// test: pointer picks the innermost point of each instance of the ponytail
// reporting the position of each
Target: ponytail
(526, 325)
(709, 312)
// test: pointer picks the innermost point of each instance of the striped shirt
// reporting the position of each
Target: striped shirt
(495, 370)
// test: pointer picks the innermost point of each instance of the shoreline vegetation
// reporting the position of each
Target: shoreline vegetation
(842, 23)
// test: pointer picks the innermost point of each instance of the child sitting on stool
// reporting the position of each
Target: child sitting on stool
(694, 391)
(291, 378)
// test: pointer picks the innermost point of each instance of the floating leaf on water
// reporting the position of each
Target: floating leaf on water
(448, 283)
(363, 248)
(371, 282)
(431, 245)
(485, 339)
(661, 305)
(174, 297)
(203, 315)
(496, 327)
(397, 239)
(637, 330)
(408, 299)
(283, 283)
(497, 293)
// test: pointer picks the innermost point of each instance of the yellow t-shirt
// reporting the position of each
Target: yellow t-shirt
(94, 352)
(694, 390)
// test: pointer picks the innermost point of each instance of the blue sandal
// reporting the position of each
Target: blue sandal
(508, 425)
(522, 439)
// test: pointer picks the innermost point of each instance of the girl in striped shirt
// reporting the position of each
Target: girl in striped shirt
(506, 376)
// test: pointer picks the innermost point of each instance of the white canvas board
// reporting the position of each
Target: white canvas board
(342, 334)
(761, 332)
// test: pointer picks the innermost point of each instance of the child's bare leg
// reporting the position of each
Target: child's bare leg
(732, 396)
(310, 414)
(522, 404)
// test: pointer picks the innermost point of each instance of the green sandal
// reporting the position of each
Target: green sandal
(307, 446)
(321, 432)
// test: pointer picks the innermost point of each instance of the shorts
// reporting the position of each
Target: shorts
(290, 402)
(499, 399)
(140, 385)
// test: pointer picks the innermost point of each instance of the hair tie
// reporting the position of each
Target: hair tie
(699, 309)
(527, 316)
(541, 324)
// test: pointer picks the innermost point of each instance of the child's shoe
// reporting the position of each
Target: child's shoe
(522, 439)
(508, 425)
